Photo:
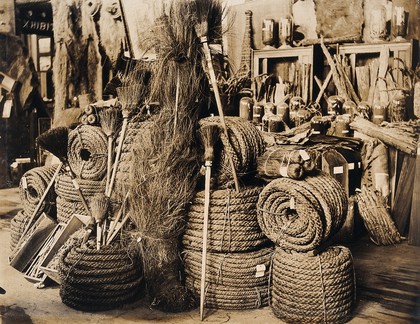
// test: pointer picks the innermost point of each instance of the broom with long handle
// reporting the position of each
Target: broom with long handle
(201, 29)
(209, 135)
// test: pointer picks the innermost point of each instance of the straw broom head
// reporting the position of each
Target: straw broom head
(207, 17)
(99, 207)
(55, 141)
(109, 120)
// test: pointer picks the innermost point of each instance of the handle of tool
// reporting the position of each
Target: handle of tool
(109, 163)
(117, 229)
(114, 222)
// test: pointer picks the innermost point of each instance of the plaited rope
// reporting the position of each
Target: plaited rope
(17, 226)
(232, 280)
(65, 189)
(300, 215)
(313, 288)
(87, 152)
(232, 224)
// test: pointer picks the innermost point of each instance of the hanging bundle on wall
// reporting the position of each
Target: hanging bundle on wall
(300, 215)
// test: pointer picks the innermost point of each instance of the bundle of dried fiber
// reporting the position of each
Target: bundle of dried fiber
(374, 212)
(166, 157)
(309, 288)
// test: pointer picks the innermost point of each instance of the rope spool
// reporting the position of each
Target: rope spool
(301, 215)
(94, 280)
(87, 152)
(232, 224)
(66, 208)
(65, 189)
(245, 144)
(234, 280)
(17, 226)
(31, 188)
(313, 288)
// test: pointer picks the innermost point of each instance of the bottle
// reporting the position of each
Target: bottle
(317, 125)
(397, 108)
(294, 105)
(349, 108)
(257, 115)
(379, 114)
(342, 126)
(246, 105)
(282, 110)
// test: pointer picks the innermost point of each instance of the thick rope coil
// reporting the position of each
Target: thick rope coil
(66, 209)
(87, 152)
(300, 215)
(17, 226)
(313, 288)
(233, 280)
(65, 188)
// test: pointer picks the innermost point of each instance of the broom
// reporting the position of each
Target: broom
(209, 136)
(201, 28)
(99, 206)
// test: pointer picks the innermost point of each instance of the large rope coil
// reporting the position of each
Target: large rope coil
(233, 280)
(65, 189)
(66, 209)
(232, 224)
(32, 187)
(313, 288)
(87, 152)
(17, 226)
(300, 215)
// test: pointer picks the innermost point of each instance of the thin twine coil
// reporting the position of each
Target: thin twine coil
(87, 152)
(302, 215)
(65, 189)
(316, 289)
(32, 186)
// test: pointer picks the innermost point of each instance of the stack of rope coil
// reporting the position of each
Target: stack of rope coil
(232, 225)
(68, 201)
(301, 215)
(244, 145)
(313, 288)
(17, 226)
(233, 280)
(32, 187)
(87, 152)
(94, 280)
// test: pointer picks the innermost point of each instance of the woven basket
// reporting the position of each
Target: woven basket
(94, 280)
(232, 226)
(301, 215)
(231, 279)
(17, 226)
(32, 187)
(87, 152)
(65, 189)
(313, 289)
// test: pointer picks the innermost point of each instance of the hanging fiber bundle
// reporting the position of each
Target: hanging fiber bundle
(233, 280)
(17, 226)
(300, 215)
(313, 288)
(95, 280)
(32, 187)
(65, 189)
(232, 224)
(87, 152)
(374, 212)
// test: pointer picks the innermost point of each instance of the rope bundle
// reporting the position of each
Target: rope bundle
(233, 279)
(17, 226)
(65, 188)
(87, 152)
(300, 215)
(66, 208)
(232, 225)
(313, 289)
(375, 215)
(246, 144)
(32, 187)
(93, 280)
(283, 162)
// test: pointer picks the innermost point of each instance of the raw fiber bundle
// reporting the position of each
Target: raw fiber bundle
(65, 189)
(87, 152)
(66, 209)
(313, 288)
(234, 280)
(300, 215)
(374, 212)
(17, 226)
(32, 187)
(245, 144)
(232, 225)
(281, 161)
(96, 280)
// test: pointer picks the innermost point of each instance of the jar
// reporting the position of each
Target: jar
(364, 110)
(397, 108)
(268, 32)
(257, 115)
(282, 110)
(379, 114)
(269, 111)
(349, 108)
(317, 125)
(246, 105)
(335, 105)
(294, 105)
(303, 115)
(342, 127)
(275, 124)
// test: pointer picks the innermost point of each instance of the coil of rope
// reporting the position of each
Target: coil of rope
(66, 209)
(17, 226)
(300, 215)
(232, 224)
(87, 152)
(65, 189)
(234, 280)
(313, 288)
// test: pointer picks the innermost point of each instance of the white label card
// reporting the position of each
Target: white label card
(338, 170)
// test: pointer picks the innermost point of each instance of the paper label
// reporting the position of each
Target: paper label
(75, 184)
(305, 156)
(338, 170)
(24, 183)
(292, 203)
(351, 166)
(260, 270)
(345, 131)
(283, 171)
(359, 164)
(316, 132)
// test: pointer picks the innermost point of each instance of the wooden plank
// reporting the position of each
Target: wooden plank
(414, 232)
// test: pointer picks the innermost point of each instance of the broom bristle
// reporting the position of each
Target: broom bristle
(209, 135)
(55, 141)
(99, 207)
(109, 120)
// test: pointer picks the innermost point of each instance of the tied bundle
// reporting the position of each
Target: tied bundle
(32, 187)
(284, 162)
(301, 215)
(234, 280)
(313, 288)
(232, 223)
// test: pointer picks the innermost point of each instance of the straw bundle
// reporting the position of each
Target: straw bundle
(32, 187)
(313, 289)
(17, 226)
(301, 215)
(376, 217)
(87, 152)
(232, 225)
(234, 280)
